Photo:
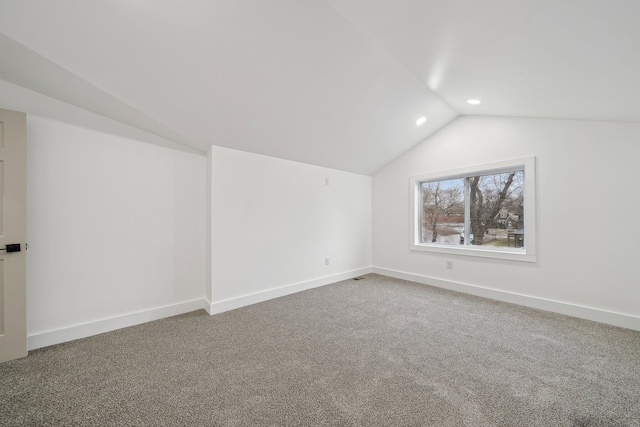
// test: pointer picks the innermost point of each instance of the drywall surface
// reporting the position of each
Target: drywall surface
(18, 98)
(587, 179)
(274, 221)
(115, 226)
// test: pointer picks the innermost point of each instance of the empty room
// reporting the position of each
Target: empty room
(319, 212)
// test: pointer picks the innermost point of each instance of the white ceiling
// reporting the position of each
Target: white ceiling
(336, 83)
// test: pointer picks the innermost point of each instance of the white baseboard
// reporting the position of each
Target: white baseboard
(44, 339)
(57, 336)
(588, 313)
(233, 303)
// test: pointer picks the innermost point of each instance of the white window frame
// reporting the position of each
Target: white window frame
(527, 254)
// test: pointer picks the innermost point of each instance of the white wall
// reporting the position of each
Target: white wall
(18, 98)
(116, 228)
(587, 244)
(274, 221)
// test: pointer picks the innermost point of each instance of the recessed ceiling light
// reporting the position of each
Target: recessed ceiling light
(474, 101)
(421, 121)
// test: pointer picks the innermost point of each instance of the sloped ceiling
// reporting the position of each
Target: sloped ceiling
(336, 83)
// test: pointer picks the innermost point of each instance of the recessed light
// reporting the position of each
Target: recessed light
(474, 101)
(421, 121)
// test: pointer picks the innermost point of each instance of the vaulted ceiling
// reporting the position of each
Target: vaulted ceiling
(336, 83)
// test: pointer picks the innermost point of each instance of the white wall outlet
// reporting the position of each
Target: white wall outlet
(326, 180)
(327, 261)
(449, 264)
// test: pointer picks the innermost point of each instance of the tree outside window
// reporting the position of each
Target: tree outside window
(490, 206)
(442, 211)
(495, 202)
(482, 211)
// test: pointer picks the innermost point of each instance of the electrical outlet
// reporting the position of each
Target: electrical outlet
(326, 180)
(449, 265)
(327, 261)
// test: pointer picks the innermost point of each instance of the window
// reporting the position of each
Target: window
(487, 210)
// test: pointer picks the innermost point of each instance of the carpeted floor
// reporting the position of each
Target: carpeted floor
(376, 351)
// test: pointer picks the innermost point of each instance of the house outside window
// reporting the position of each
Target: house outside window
(488, 210)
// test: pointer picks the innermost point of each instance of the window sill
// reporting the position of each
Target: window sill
(511, 254)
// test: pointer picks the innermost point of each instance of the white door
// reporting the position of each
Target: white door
(13, 231)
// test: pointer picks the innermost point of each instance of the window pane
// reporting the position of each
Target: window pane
(442, 211)
(496, 209)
